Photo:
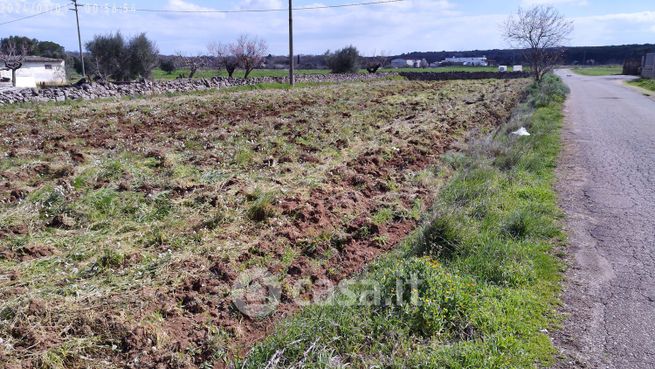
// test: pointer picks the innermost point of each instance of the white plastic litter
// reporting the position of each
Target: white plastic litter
(521, 132)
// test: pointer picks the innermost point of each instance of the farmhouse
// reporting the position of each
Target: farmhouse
(409, 63)
(468, 61)
(37, 70)
(402, 63)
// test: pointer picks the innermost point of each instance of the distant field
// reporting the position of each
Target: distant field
(444, 69)
(606, 70)
(648, 84)
(159, 74)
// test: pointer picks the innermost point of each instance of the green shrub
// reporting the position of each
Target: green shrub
(550, 89)
(345, 60)
(167, 66)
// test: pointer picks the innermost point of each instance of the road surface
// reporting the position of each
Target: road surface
(606, 183)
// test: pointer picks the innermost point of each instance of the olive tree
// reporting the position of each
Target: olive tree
(115, 58)
(345, 60)
(142, 56)
(541, 31)
(108, 56)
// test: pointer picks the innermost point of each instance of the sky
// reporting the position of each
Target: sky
(389, 29)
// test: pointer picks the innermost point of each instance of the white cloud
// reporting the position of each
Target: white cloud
(261, 4)
(639, 17)
(181, 5)
(616, 28)
(553, 2)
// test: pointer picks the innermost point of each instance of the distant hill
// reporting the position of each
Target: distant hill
(572, 55)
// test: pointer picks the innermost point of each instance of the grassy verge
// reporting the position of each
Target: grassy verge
(606, 70)
(475, 287)
(648, 84)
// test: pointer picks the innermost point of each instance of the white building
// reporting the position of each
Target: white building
(402, 63)
(37, 70)
(473, 62)
(409, 63)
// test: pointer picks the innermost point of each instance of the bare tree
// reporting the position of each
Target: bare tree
(374, 63)
(541, 31)
(192, 63)
(249, 52)
(224, 58)
(12, 56)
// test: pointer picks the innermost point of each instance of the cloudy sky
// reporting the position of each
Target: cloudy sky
(410, 25)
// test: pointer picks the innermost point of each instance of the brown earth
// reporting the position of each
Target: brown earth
(89, 284)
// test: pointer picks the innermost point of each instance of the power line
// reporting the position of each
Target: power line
(33, 15)
(209, 11)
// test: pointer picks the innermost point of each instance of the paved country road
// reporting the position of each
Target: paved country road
(607, 190)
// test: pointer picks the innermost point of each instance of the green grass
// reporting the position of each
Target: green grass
(484, 257)
(444, 69)
(605, 70)
(159, 74)
(648, 84)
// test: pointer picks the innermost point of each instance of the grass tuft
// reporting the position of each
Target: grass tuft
(261, 207)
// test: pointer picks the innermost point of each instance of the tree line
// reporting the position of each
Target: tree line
(571, 55)
(113, 57)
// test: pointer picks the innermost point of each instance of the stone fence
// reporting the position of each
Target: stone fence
(447, 76)
(96, 90)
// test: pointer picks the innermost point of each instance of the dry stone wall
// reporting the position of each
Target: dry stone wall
(96, 90)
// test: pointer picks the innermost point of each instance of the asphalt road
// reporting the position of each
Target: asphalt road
(606, 183)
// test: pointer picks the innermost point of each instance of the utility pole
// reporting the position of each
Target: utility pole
(291, 61)
(79, 36)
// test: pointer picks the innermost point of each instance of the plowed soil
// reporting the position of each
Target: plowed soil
(124, 225)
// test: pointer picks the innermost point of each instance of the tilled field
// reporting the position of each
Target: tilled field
(124, 225)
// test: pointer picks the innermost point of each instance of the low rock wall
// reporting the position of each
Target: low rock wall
(96, 90)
